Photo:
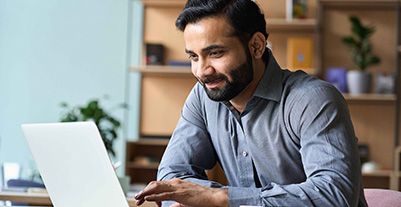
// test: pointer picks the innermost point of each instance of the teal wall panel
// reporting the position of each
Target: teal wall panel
(53, 51)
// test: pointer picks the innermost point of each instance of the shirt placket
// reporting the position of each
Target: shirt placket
(244, 160)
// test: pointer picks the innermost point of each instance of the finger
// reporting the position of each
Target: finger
(153, 188)
(140, 202)
(137, 196)
(177, 205)
(160, 197)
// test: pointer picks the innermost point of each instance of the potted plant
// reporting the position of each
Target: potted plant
(93, 111)
(361, 50)
(106, 123)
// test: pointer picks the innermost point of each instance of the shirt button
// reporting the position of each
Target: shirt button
(244, 153)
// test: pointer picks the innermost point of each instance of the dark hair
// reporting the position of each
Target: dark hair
(245, 16)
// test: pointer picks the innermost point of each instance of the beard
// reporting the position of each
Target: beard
(241, 77)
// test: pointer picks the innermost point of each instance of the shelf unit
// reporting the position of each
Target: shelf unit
(162, 70)
(375, 117)
(143, 157)
(164, 88)
(295, 25)
(168, 86)
(384, 98)
(397, 167)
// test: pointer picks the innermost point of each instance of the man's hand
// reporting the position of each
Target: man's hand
(183, 192)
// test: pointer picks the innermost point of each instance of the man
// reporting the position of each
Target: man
(282, 138)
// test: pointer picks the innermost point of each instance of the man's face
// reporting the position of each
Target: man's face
(219, 60)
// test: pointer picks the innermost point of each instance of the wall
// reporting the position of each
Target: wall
(53, 51)
(134, 59)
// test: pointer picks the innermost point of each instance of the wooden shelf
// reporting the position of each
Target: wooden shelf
(371, 97)
(151, 142)
(379, 173)
(143, 158)
(274, 25)
(361, 4)
(164, 3)
(162, 70)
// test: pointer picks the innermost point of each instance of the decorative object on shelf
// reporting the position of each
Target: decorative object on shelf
(370, 167)
(107, 124)
(363, 151)
(361, 51)
(296, 9)
(338, 77)
(299, 53)
(358, 82)
(154, 54)
(384, 84)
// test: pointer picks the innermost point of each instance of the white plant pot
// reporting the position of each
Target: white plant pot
(358, 82)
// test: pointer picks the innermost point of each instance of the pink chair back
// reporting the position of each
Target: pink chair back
(382, 197)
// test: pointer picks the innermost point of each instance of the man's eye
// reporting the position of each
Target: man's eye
(216, 54)
(193, 57)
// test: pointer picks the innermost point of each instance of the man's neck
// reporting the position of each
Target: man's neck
(239, 102)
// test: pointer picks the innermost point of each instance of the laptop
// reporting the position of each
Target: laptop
(74, 164)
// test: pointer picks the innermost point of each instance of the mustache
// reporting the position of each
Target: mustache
(210, 79)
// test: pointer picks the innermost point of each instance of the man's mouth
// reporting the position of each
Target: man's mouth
(215, 83)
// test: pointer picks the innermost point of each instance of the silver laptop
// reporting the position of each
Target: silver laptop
(74, 164)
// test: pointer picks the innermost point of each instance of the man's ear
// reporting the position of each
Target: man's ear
(257, 45)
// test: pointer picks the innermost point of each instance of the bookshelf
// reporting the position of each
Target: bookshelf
(295, 25)
(371, 97)
(162, 70)
(375, 116)
(143, 157)
(164, 88)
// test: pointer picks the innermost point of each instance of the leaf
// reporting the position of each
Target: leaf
(107, 124)
(93, 104)
(360, 45)
(350, 41)
(64, 105)
(374, 60)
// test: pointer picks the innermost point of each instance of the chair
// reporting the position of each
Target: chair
(382, 197)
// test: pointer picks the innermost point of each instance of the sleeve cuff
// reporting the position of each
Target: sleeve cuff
(244, 196)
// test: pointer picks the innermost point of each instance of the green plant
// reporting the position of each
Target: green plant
(361, 47)
(93, 111)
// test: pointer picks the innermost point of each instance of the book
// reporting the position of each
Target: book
(296, 9)
(300, 53)
(154, 54)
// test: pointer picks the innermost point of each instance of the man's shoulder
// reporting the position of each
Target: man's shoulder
(299, 85)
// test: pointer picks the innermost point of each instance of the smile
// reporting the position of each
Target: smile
(214, 83)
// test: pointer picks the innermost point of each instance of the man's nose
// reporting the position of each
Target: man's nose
(204, 69)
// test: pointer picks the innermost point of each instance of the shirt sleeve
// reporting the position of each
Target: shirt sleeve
(329, 156)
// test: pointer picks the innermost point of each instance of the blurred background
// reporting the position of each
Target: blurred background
(128, 56)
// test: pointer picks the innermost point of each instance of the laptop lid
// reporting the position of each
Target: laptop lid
(74, 164)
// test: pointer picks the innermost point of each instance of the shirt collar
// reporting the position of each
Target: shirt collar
(271, 85)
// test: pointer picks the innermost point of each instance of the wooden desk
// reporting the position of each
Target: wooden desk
(43, 199)
(28, 198)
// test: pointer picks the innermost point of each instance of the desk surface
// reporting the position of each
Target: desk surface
(44, 199)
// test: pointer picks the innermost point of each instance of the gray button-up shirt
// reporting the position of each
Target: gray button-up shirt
(293, 145)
